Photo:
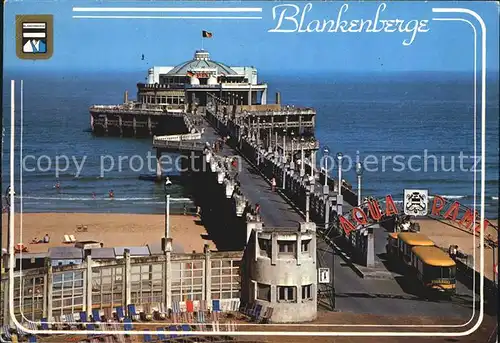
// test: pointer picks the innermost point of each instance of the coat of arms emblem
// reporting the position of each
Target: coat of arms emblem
(416, 202)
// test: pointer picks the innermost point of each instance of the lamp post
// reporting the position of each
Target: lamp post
(284, 159)
(359, 173)
(270, 136)
(284, 145)
(326, 151)
(167, 185)
(339, 158)
(302, 172)
(276, 141)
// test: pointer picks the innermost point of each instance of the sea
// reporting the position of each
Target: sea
(411, 130)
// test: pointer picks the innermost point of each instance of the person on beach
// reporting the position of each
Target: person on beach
(46, 238)
(273, 184)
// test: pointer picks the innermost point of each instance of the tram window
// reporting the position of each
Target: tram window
(453, 272)
(445, 273)
(432, 273)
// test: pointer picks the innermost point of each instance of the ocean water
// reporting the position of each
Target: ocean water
(411, 130)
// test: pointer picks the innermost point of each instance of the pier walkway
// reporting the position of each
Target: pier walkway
(380, 296)
(352, 293)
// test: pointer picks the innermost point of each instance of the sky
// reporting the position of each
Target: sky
(99, 45)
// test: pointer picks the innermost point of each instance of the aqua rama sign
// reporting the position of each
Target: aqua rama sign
(291, 18)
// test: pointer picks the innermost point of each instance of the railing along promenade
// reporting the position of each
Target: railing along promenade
(104, 284)
(308, 196)
(133, 111)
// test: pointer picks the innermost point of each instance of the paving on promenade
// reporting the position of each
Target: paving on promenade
(382, 296)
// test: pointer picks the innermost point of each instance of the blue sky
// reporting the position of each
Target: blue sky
(117, 44)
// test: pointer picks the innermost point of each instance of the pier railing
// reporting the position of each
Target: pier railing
(121, 110)
(177, 138)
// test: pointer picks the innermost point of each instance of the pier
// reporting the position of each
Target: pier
(302, 209)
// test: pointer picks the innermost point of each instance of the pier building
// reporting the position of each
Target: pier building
(282, 272)
(171, 90)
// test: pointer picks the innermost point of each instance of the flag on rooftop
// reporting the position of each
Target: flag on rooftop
(207, 34)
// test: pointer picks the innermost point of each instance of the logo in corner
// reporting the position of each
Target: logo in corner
(34, 36)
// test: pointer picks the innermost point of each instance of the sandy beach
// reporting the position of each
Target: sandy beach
(114, 230)
(447, 233)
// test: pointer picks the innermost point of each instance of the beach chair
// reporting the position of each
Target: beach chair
(146, 314)
(83, 316)
(200, 317)
(31, 325)
(189, 311)
(57, 323)
(72, 238)
(183, 313)
(172, 328)
(267, 315)
(127, 324)
(96, 315)
(44, 325)
(132, 313)
(250, 309)
(147, 337)
(67, 240)
(120, 314)
(256, 313)
(6, 333)
(108, 314)
(90, 327)
(175, 311)
(186, 328)
(161, 336)
(159, 311)
(215, 309)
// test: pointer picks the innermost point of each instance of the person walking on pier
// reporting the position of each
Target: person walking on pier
(273, 184)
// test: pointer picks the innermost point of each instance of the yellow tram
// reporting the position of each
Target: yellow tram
(434, 269)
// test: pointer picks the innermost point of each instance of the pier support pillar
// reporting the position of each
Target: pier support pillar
(128, 278)
(150, 127)
(158, 165)
(88, 285)
(207, 295)
(370, 248)
(106, 123)
(120, 124)
(50, 288)
(134, 125)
